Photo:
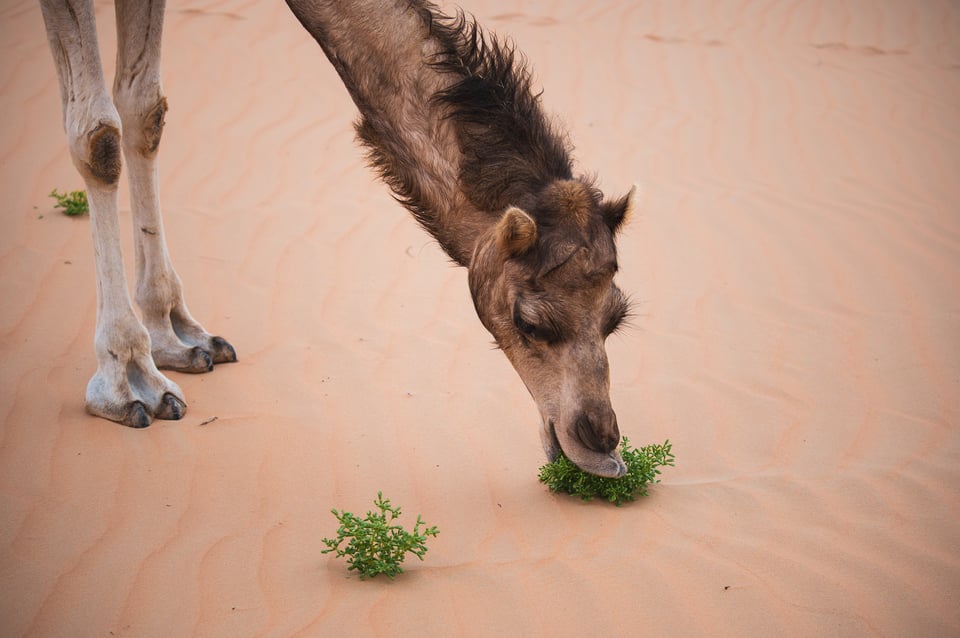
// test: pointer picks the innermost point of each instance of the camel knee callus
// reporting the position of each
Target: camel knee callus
(104, 162)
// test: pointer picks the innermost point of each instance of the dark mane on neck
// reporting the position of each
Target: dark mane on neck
(446, 112)
(510, 150)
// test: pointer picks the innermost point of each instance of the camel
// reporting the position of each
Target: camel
(452, 126)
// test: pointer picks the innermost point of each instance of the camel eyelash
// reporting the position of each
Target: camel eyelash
(620, 319)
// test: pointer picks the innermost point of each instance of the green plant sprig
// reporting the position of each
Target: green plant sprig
(374, 545)
(562, 475)
(73, 203)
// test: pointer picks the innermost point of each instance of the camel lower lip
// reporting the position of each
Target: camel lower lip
(617, 468)
(609, 465)
(605, 464)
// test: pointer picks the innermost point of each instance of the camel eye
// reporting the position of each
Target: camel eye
(535, 330)
(523, 326)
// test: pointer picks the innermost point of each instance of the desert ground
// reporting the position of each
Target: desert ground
(795, 261)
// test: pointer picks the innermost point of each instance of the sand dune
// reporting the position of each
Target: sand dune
(797, 267)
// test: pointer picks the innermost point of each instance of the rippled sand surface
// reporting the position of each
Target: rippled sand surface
(796, 263)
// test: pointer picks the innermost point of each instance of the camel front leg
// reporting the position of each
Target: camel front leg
(127, 387)
(179, 342)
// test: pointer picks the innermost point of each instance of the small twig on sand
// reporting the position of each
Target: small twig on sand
(210, 420)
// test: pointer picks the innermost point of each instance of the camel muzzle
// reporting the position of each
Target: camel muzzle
(605, 461)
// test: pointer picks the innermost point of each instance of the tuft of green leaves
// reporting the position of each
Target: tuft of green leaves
(642, 469)
(374, 545)
(73, 203)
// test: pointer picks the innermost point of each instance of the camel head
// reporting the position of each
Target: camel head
(542, 283)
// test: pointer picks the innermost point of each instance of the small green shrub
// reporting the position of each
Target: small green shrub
(642, 469)
(73, 203)
(374, 545)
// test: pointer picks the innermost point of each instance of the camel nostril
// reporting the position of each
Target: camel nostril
(599, 439)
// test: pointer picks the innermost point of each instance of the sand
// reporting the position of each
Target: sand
(796, 263)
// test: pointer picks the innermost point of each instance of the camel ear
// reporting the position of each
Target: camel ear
(516, 232)
(617, 212)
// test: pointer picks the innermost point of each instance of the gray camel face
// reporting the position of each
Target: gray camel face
(545, 291)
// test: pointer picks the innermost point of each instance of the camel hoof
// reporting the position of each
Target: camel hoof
(171, 408)
(222, 351)
(137, 416)
(200, 361)
(194, 360)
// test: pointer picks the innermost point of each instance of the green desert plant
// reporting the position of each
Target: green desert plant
(374, 545)
(73, 203)
(642, 469)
